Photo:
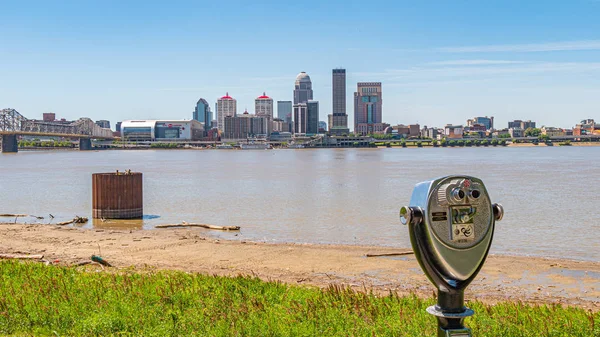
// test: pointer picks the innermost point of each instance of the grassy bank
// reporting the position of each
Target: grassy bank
(46, 300)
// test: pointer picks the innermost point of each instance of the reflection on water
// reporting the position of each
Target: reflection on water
(349, 196)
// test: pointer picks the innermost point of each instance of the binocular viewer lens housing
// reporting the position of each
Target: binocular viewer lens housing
(451, 223)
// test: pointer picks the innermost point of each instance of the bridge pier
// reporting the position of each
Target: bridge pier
(85, 144)
(10, 144)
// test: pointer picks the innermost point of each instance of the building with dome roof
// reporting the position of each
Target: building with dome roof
(263, 106)
(303, 89)
(226, 107)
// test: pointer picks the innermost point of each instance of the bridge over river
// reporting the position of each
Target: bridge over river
(13, 124)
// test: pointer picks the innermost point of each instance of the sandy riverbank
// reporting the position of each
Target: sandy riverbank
(502, 278)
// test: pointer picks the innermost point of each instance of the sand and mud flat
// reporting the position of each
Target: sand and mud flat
(503, 278)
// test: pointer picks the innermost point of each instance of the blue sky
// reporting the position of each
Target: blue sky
(440, 62)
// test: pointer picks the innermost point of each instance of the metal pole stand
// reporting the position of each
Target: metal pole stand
(450, 312)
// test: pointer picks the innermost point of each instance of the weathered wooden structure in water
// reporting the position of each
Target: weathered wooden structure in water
(117, 195)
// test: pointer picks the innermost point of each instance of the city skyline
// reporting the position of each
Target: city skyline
(439, 63)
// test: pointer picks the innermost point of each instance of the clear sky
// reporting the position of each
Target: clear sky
(440, 61)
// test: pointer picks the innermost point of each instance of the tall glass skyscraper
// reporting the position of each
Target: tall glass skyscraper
(312, 122)
(338, 120)
(284, 110)
(203, 114)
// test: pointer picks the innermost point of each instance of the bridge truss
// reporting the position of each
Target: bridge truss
(12, 122)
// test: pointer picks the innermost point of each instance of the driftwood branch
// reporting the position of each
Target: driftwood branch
(391, 254)
(187, 224)
(21, 257)
(13, 215)
(76, 219)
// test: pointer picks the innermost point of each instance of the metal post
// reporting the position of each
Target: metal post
(10, 144)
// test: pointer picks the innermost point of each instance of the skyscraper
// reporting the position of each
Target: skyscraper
(338, 120)
(302, 94)
(284, 110)
(368, 108)
(203, 114)
(300, 118)
(226, 106)
(263, 106)
(312, 120)
(302, 89)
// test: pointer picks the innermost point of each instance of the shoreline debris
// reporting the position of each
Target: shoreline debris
(187, 224)
(22, 256)
(100, 260)
(76, 219)
(390, 254)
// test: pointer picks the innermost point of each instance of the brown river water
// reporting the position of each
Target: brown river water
(550, 195)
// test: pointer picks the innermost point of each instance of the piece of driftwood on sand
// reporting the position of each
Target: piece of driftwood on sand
(76, 219)
(21, 256)
(188, 224)
(390, 254)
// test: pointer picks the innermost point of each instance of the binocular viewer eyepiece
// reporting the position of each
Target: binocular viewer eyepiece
(451, 225)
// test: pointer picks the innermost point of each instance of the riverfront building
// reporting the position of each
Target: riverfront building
(246, 126)
(203, 114)
(338, 120)
(157, 130)
(306, 118)
(226, 107)
(263, 106)
(368, 104)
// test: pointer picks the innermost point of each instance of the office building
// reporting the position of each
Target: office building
(521, 124)
(487, 122)
(152, 130)
(203, 114)
(453, 131)
(118, 127)
(103, 124)
(322, 127)
(302, 89)
(429, 132)
(279, 125)
(226, 107)
(300, 118)
(263, 106)
(368, 104)
(49, 117)
(246, 126)
(407, 131)
(284, 110)
(338, 120)
(312, 127)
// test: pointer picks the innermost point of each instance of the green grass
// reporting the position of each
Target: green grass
(46, 300)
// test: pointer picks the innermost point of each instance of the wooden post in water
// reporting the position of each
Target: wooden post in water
(117, 195)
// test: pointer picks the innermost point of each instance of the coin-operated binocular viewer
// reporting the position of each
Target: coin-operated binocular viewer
(451, 224)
